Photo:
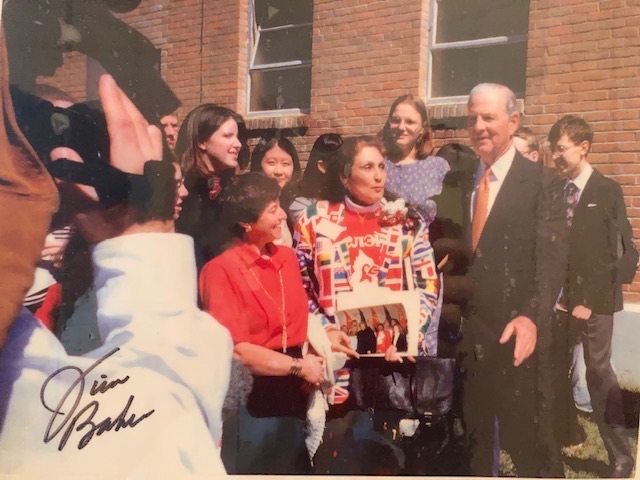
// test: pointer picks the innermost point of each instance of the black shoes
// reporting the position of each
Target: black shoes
(622, 470)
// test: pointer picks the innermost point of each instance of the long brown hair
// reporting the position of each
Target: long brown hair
(197, 127)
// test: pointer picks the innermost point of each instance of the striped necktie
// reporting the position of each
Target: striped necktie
(571, 201)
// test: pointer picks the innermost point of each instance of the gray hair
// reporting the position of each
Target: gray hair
(510, 103)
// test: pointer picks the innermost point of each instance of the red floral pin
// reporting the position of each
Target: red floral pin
(396, 213)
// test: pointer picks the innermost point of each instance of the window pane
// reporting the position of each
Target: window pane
(273, 13)
(457, 71)
(281, 89)
(284, 45)
(473, 19)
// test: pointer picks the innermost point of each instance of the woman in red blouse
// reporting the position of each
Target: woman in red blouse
(255, 290)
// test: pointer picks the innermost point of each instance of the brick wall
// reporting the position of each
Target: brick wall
(584, 59)
(203, 51)
(365, 54)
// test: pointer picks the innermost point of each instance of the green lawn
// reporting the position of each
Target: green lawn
(589, 460)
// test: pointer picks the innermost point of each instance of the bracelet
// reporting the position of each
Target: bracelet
(296, 367)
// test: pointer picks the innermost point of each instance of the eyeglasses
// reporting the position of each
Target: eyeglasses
(328, 142)
(561, 149)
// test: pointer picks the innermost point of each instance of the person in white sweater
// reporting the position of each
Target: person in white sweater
(147, 403)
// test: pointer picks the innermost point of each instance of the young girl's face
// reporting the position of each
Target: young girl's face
(405, 124)
(278, 164)
(223, 146)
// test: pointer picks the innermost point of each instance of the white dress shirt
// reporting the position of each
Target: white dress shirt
(173, 365)
(581, 180)
(499, 171)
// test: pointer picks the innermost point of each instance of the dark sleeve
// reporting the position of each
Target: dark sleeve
(552, 236)
(619, 262)
(402, 343)
(627, 254)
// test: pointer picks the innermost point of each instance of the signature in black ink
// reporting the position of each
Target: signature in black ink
(68, 416)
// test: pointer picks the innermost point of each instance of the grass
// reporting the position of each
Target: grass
(589, 460)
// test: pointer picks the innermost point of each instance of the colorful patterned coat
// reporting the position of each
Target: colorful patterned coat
(326, 267)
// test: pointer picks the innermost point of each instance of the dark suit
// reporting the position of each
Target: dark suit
(515, 270)
(400, 342)
(600, 247)
(366, 341)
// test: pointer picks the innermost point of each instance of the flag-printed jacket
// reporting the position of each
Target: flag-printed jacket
(326, 267)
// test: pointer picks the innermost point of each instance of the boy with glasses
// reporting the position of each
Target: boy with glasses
(601, 257)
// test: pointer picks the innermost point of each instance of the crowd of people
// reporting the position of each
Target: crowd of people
(512, 263)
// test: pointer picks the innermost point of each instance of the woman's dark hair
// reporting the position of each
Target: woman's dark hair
(314, 183)
(264, 145)
(424, 145)
(244, 199)
(460, 157)
(340, 163)
(196, 128)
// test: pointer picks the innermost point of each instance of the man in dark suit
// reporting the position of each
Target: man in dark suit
(515, 230)
(601, 257)
(366, 338)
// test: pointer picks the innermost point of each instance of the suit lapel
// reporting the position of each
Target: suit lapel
(588, 196)
(467, 198)
(512, 184)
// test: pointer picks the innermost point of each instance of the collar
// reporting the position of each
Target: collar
(581, 180)
(500, 167)
(354, 207)
(249, 255)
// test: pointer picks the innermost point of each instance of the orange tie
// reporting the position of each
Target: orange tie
(481, 211)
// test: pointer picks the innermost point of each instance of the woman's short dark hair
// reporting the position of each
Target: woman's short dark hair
(244, 199)
(264, 145)
(424, 145)
(314, 183)
(197, 127)
(340, 164)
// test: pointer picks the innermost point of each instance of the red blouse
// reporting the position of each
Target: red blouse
(242, 291)
(383, 341)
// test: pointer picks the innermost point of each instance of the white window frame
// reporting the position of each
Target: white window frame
(254, 38)
(481, 42)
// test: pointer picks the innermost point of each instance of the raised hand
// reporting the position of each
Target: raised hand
(526, 334)
(133, 143)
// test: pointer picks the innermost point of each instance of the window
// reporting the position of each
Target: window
(280, 64)
(474, 41)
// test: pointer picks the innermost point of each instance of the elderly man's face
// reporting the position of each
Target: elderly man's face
(490, 127)
(170, 127)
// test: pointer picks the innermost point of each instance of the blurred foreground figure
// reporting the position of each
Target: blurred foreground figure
(147, 403)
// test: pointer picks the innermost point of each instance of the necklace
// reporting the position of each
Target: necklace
(281, 308)
(361, 218)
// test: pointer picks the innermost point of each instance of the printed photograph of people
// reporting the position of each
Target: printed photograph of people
(319, 238)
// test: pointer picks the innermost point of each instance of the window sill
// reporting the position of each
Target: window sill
(278, 121)
(439, 110)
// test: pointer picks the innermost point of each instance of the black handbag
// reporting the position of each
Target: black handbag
(420, 389)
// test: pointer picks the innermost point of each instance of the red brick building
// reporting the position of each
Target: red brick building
(336, 65)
